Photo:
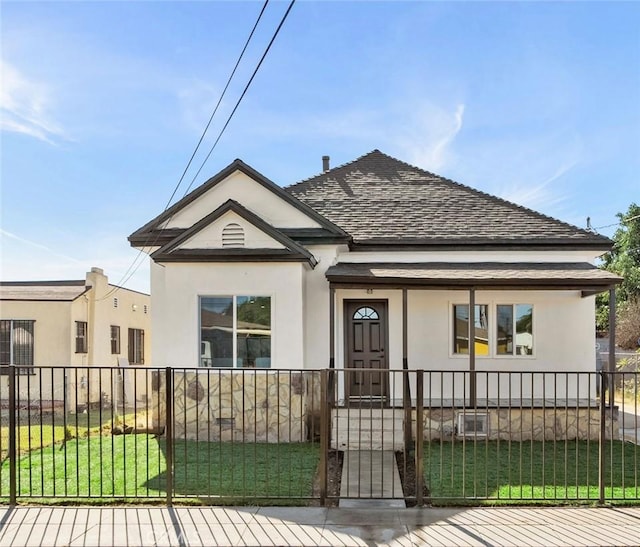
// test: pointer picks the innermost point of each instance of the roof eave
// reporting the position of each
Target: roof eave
(233, 255)
(485, 245)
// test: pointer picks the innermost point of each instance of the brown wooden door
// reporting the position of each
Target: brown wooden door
(366, 344)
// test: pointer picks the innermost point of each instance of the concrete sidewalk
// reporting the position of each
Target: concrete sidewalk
(205, 526)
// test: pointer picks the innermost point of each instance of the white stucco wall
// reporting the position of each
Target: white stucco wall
(316, 308)
(251, 195)
(55, 339)
(177, 287)
(51, 330)
(133, 311)
(210, 237)
(563, 332)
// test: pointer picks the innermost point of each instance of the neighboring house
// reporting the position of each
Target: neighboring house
(81, 323)
(373, 264)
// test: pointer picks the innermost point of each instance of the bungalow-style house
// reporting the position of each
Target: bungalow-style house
(373, 264)
(81, 323)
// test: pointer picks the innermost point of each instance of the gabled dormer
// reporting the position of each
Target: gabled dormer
(243, 185)
(232, 233)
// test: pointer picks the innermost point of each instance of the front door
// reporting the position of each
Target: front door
(365, 348)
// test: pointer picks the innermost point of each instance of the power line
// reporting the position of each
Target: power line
(131, 270)
(284, 17)
(623, 221)
(134, 266)
(224, 91)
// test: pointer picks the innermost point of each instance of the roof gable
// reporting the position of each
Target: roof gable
(204, 240)
(379, 200)
(241, 183)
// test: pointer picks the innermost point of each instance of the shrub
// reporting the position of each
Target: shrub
(628, 330)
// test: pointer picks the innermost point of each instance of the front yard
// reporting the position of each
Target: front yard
(505, 472)
(107, 467)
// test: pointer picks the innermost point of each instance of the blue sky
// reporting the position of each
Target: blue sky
(103, 103)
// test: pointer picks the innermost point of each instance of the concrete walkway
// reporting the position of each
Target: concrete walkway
(629, 423)
(210, 526)
(370, 478)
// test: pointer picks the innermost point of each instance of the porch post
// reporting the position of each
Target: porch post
(472, 347)
(406, 388)
(612, 345)
(405, 344)
(331, 390)
(332, 327)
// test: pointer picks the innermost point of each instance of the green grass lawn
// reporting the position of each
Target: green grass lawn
(530, 472)
(36, 435)
(129, 466)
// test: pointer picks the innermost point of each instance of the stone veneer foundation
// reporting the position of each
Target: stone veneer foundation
(250, 405)
(284, 406)
(521, 424)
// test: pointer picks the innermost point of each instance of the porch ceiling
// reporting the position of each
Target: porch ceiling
(488, 275)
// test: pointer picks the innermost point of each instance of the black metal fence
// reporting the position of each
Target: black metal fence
(224, 436)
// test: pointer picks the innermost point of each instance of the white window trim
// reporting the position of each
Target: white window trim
(234, 296)
(519, 357)
(492, 307)
(465, 356)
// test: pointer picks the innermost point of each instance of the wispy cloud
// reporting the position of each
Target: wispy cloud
(40, 246)
(197, 100)
(422, 134)
(110, 253)
(426, 141)
(541, 195)
(25, 106)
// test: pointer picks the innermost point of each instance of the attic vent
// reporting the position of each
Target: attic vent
(115, 302)
(233, 236)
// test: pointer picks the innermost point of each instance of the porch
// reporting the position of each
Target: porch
(472, 317)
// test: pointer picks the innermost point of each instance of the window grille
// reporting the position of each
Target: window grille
(16, 345)
(81, 337)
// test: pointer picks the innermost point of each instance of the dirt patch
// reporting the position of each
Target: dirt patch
(407, 470)
(334, 477)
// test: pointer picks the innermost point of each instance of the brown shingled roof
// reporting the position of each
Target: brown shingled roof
(492, 274)
(378, 199)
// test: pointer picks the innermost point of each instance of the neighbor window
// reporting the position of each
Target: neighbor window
(515, 329)
(136, 346)
(16, 344)
(235, 331)
(115, 339)
(461, 329)
(81, 337)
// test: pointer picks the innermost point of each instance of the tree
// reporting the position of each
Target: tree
(624, 260)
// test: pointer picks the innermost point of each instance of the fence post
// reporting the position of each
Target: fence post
(406, 404)
(602, 436)
(168, 432)
(12, 436)
(324, 434)
(419, 437)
